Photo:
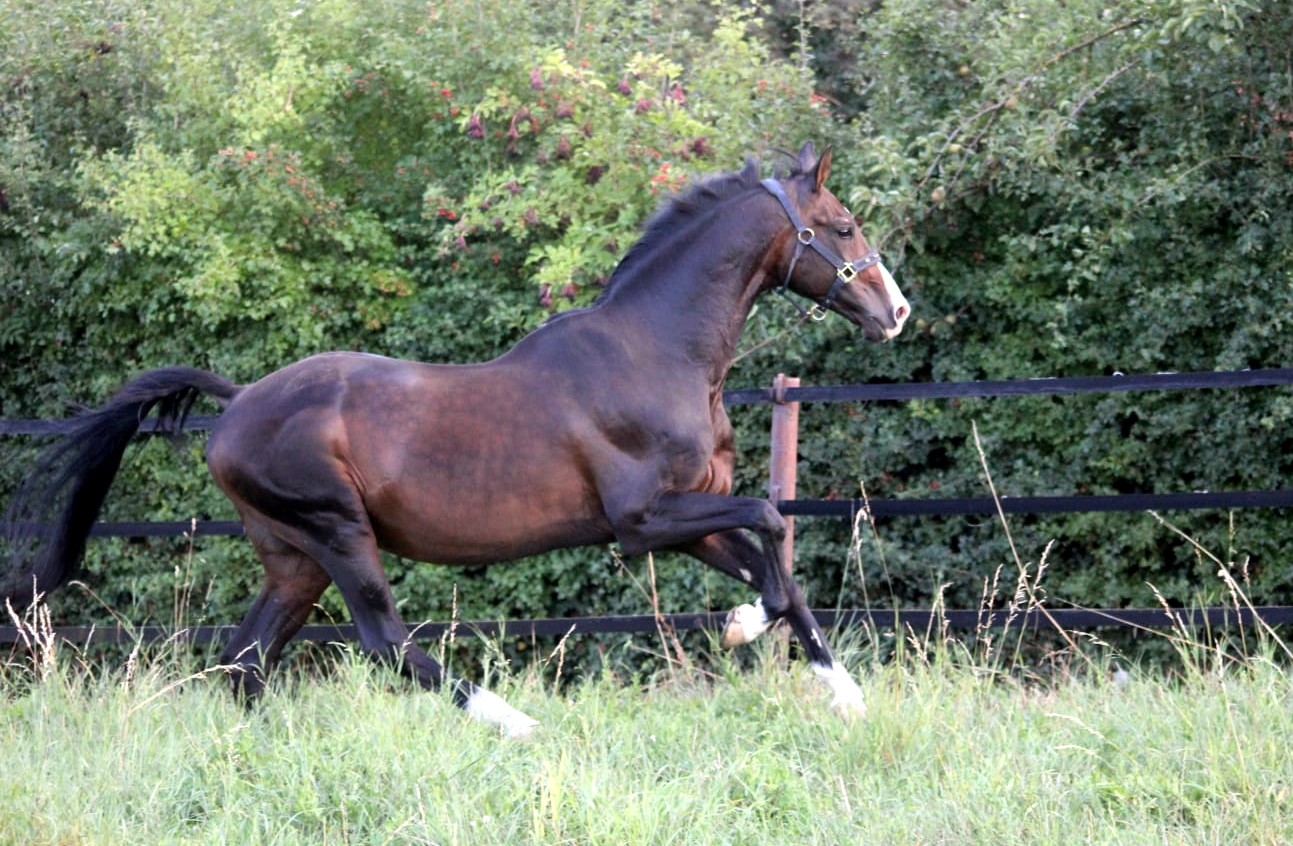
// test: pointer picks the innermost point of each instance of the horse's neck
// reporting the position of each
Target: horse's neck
(697, 289)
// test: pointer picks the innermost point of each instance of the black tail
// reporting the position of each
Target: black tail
(72, 477)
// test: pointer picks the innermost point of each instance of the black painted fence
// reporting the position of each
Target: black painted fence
(918, 619)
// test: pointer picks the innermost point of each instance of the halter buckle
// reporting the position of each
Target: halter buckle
(847, 272)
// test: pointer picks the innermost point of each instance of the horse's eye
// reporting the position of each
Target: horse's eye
(844, 231)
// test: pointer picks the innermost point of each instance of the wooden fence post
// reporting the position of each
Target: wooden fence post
(785, 454)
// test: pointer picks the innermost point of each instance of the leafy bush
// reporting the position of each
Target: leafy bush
(1063, 190)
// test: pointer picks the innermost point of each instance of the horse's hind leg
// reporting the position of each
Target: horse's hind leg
(293, 584)
(351, 558)
(304, 514)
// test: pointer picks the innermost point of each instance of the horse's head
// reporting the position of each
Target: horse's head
(827, 259)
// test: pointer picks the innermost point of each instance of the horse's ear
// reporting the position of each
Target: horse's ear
(807, 158)
(823, 168)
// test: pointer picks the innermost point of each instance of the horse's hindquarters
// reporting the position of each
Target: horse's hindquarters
(453, 464)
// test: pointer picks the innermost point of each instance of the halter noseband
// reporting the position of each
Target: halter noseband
(845, 271)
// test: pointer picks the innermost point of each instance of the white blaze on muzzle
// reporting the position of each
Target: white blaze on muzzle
(899, 308)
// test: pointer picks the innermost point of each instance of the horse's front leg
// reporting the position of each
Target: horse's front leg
(707, 527)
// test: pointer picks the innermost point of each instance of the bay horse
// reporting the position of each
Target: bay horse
(605, 424)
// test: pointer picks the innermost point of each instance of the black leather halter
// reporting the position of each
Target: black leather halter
(845, 271)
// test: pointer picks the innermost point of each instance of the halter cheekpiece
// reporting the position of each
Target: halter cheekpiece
(845, 271)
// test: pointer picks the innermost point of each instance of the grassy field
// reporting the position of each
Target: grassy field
(955, 750)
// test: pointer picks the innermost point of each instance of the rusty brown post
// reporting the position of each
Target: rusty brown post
(785, 453)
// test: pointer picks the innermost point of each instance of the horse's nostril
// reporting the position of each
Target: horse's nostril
(900, 313)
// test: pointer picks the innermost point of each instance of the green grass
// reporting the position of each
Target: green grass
(952, 752)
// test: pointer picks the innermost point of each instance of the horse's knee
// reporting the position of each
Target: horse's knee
(771, 522)
(631, 527)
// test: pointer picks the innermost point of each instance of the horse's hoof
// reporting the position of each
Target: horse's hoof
(848, 701)
(489, 708)
(739, 627)
(520, 730)
(849, 709)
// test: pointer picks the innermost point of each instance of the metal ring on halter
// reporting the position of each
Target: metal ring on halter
(806, 241)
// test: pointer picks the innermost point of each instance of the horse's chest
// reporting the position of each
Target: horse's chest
(684, 443)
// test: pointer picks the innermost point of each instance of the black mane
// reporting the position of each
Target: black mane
(676, 212)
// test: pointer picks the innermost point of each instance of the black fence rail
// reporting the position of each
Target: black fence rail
(1053, 386)
(837, 508)
(916, 620)
(851, 508)
(1266, 377)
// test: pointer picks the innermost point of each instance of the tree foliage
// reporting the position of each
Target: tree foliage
(1063, 189)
